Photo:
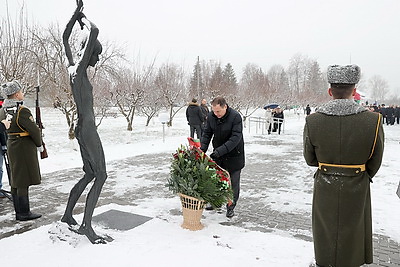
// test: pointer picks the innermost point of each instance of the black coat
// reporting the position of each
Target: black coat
(278, 115)
(3, 138)
(194, 114)
(227, 139)
(205, 111)
(397, 112)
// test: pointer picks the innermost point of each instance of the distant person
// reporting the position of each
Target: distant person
(383, 111)
(205, 111)
(224, 130)
(24, 138)
(278, 117)
(390, 115)
(345, 141)
(277, 120)
(195, 118)
(397, 114)
(269, 119)
(308, 110)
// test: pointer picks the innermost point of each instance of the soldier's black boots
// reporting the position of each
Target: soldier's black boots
(15, 202)
(22, 210)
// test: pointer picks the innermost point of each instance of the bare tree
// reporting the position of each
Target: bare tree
(171, 81)
(128, 93)
(208, 69)
(15, 59)
(253, 88)
(152, 100)
(379, 88)
(297, 73)
(278, 84)
(50, 62)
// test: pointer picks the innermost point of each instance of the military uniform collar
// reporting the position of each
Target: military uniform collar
(9, 103)
(341, 107)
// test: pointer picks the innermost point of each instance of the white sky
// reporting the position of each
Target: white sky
(264, 32)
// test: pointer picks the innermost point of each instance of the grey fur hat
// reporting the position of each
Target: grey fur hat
(10, 88)
(349, 74)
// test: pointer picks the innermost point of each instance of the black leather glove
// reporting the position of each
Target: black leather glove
(214, 155)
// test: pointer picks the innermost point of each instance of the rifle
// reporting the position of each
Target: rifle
(43, 150)
(7, 164)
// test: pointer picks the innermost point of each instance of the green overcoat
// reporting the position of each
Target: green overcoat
(343, 133)
(22, 150)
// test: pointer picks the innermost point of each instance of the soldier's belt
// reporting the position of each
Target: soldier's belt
(341, 169)
(18, 134)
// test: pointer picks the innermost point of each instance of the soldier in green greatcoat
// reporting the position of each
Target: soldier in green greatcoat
(24, 137)
(345, 141)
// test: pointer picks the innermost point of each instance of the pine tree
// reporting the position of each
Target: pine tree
(229, 77)
(196, 82)
(217, 82)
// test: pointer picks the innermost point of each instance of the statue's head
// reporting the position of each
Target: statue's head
(96, 52)
(97, 49)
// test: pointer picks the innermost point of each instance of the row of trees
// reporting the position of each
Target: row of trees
(35, 55)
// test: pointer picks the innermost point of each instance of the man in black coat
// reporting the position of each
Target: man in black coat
(390, 115)
(195, 118)
(224, 126)
(397, 114)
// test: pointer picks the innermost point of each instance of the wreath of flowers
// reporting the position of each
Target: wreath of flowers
(194, 174)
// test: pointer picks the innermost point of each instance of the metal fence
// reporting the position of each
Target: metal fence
(261, 125)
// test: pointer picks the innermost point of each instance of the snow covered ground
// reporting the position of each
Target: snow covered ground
(161, 241)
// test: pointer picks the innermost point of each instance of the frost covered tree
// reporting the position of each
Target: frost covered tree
(297, 74)
(171, 82)
(378, 88)
(16, 63)
(252, 90)
(152, 100)
(278, 85)
(129, 91)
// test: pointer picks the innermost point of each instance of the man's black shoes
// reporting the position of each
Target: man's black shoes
(230, 213)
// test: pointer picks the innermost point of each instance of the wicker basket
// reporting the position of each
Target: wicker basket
(192, 210)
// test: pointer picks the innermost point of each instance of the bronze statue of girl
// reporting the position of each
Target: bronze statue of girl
(89, 141)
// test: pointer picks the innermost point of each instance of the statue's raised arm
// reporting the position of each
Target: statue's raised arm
(68, 30)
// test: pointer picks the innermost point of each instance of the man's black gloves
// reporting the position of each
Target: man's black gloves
(214, 155)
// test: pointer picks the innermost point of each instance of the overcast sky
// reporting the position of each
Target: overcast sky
(263, 32)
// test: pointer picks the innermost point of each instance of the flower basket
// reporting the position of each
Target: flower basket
(192, 210)
(198, 180)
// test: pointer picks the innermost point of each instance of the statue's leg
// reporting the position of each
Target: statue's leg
(74, 195)
(91, 201)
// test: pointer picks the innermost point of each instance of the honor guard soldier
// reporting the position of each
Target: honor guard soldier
(24, 137)
(345, 142)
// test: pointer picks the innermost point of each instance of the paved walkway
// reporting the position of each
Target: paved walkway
(268, 182)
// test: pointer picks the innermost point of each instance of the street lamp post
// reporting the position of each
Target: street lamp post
(163, 118)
